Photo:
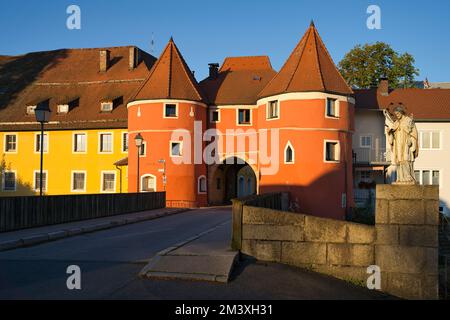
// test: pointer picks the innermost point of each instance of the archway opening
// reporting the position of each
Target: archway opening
(233, 178)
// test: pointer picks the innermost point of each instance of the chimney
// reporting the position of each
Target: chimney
(383, 87)
(213, 70)
(134, 58)
(104, 60)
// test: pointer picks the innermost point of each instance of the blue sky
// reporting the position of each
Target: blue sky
(209, 30)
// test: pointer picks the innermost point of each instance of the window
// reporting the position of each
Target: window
(175, 149)
(366, 141)
(427, 177)
(106, 107)
(79, 142)
(78, 181)
(37, 180)
(148, 183)
(170, 111)
(63, 108)
(332, 108)
(430, 140)
(272, 110)
(9, 181)
(249, 186)
(108, 182)
(289, 153)
(11, 143)
(106, 143)
(331, 151)
(37, 143)
(215, 116)
(125, 142)
(244, 116)
(143, 149)
(31, 110)
(202, 184)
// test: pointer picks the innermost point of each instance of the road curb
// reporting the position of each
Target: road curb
(36, 239)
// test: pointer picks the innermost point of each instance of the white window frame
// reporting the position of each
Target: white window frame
(337, 108)
(122, 140)
(421, 171)
(15, 180)
(74, 134)
(102, 180)
(31, 110)
(361, 140)
(100, 142)
(60, 106)
(144, 144)
(36, 135)
(72, 180)
(181, 149)
(244, 124)
(142, 182)
(268, 109)
(325, 151)
(289, 144)
(35, 187)
(198, 185)
(111, 103)
(211, 117)
(176, 110)
(17, 142)
(431, 140)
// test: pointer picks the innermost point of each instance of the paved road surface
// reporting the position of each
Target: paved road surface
(110, 261)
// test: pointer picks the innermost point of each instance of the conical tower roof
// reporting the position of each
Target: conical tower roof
(170, 78)
(308, 68)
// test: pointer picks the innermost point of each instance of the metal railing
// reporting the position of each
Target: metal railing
(370, 155)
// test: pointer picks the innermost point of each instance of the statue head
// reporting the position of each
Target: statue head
(399, 111)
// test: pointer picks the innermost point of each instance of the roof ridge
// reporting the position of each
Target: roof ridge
(316, 35)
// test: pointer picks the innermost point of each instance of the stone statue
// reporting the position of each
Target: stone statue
(402, 137)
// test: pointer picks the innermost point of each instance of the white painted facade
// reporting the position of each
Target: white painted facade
(436, 159)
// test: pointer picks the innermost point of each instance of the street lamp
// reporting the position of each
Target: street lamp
(139, 140)
(42, 113)
(163, 172)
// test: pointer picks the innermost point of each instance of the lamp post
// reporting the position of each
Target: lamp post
(139, 140)
(164, 172)
(42, 113)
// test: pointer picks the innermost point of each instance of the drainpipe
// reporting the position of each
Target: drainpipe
(120, 178)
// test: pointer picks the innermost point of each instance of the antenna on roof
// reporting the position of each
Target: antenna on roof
(152, 43)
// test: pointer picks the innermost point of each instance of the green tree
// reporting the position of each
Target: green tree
(363, 66)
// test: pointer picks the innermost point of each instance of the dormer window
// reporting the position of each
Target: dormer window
(30, 110)
(63, 108)
(107, 106)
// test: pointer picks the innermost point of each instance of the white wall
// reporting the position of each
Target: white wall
(437, 159)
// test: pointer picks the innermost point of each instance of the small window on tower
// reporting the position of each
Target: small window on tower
(107, 106)
(170, 111)
(244, 116)
(272, 110)
(215, 117)
(331, 151)
(332, 108)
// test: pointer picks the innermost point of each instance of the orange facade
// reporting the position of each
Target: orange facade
(292, 131)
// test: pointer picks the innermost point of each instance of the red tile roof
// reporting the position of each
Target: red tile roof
(424, 104)
(64, 76)
(170, 78)
(239, 81)
(308, 68)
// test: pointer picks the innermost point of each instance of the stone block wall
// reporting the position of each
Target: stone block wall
(407, 220)
(403, 243)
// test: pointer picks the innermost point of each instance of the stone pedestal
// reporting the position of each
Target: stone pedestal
(406, 250)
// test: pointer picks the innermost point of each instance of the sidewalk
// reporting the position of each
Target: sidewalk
(205, 257)
(34, 236)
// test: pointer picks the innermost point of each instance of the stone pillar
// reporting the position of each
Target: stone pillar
(406, 250)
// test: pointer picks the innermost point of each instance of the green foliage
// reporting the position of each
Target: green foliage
(363, 66)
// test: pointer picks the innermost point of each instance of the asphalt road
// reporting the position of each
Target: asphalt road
(110, 261)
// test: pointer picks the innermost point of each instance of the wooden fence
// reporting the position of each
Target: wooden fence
(27, 212)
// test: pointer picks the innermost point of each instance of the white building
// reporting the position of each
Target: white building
(431, 111)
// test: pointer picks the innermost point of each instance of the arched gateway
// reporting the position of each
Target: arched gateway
(233, 178)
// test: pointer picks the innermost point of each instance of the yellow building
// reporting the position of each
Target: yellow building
(87, 91)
